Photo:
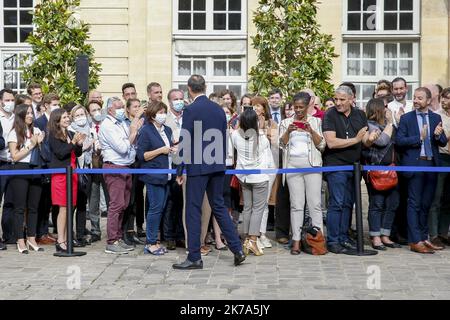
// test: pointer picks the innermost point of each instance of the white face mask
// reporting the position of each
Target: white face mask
(161, 118)
(53, 108)
(8, 106)
(98, 116)
(120, 114)
(81, 122)
(178, 105)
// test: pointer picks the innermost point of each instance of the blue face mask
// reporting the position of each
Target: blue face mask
(120, 114)
(178, 105)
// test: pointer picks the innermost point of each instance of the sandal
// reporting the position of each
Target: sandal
(223, 248)
(157, 252)
(296, 252)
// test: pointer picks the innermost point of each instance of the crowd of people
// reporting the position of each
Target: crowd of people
(262, 133)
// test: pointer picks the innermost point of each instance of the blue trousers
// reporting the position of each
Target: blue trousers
(342, 197)
(195, 191)
(421, 188)
(157, 195)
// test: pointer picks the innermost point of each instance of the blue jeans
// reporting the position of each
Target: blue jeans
(341, 190)
(157, 195)
(382, 208)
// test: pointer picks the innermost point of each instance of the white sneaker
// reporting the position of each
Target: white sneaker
(259, 245)
(265, 241)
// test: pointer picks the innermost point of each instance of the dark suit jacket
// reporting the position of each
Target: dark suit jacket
(61, 152)
(41, 123)
(408, 138)
(149, 139)
(209, 115)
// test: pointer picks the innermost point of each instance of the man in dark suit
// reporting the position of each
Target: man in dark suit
(203, 148)
(419, 135)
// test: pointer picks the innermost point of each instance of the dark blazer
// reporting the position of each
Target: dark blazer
(149, 139)
(61, 152)
(41, 123)
(211, 116)
(408, 138)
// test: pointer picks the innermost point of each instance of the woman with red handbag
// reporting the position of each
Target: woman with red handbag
(381, 185)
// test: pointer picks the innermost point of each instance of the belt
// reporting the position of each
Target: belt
(426, 158)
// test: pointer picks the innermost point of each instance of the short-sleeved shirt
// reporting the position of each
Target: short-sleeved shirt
(12, 137)
(345, 128)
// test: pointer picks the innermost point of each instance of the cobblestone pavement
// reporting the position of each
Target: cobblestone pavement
(276, 275)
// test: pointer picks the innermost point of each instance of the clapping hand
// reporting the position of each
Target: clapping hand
(374, 135)
(439, 130)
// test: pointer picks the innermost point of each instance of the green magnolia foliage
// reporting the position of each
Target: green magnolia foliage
(292, 53)
(58, 38)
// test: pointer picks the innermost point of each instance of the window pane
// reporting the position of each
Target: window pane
(406, 67)
(354, 5)
(25, 18)
(367, 91)
(406, 21)
(406, 5)
(220, 21)
(390, 21)
(26, 3)
(24, 33)
(369, 5)
(390, 68)
(353, 68)
(199, 5)
(369, 51)
(10, 35)
(390, 50)
(369, 68)
(184, 68)
(234, 21)
(354, 21)
(406, 50)
(184, 21)
(236, 90)
(10, 18)
(220, 68)
(200, 67)
(10, 3)
(234, 5)
(370, 21)
(353, 50)
(219, 87)
(234, 69)
(220, 5)
(10, 61)
(390, 5)
(10, 80)
(184, 5)
(199, 21)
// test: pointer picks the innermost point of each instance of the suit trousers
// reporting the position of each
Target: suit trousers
(195, 191)
(421, 189)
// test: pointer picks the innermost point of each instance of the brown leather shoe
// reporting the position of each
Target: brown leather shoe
(45, 240)
(420, 247)
(433, 246)
(283, 240)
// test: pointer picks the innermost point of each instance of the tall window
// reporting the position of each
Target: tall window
(10, 69)
(216, 16)
(220, 72)
(381, 41)
(17, 20)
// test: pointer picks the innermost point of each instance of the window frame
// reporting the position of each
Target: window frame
(2, 70)
(209, 28)
(380, 21)
(17, 44)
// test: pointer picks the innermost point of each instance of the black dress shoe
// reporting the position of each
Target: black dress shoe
(336, 248)
(392, 245)
(2, 246)
(95, 238)
(79, 243)
(128, 239)
(188, 265)
(381, 247)
(171, 245)
(348, 245)
(136, 240)
(239, 258)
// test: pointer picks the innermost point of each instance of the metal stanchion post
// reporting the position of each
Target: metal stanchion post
(70, 252)
(359, 219)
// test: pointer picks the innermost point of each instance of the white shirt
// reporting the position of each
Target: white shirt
(395, 106)
(114, 140)
(7, 124)
(251, 157)
(12, 137)
(299, 144)
(165, 138)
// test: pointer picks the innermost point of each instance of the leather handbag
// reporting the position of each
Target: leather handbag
(382, 180)
(313, 241)
(234, 182)
(35, 157)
